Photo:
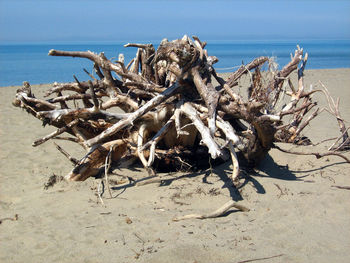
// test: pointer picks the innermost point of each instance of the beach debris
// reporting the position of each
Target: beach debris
(15, 218)
(169, 109)
(53, 179)
(259, 259)
(341, 187)
(219, 212)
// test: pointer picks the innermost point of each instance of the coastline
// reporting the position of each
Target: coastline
(297, 212)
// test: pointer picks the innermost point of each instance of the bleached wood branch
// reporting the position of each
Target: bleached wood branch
(334, 109)
(55, 133)
(316, 154)
(219, 212)
(207, 139)
(136, 114)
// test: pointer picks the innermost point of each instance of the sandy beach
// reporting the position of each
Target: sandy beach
(297, 212)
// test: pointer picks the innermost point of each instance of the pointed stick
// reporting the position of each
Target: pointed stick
(55, 133)
(69, 157)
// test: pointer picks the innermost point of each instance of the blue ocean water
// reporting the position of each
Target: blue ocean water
(30, 62)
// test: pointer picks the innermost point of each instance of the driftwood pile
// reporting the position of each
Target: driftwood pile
(169, 109)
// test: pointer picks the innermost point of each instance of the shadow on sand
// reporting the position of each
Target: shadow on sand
(267, 168)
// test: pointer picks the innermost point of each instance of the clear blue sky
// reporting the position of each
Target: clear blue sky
(107, 20)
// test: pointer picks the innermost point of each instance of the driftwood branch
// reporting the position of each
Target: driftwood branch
(219, 212)
(316, 154)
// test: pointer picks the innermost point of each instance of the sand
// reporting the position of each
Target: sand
(297, 214)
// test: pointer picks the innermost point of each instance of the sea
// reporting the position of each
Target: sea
(30, 62)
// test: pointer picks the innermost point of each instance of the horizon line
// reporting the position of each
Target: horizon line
(157, 41)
